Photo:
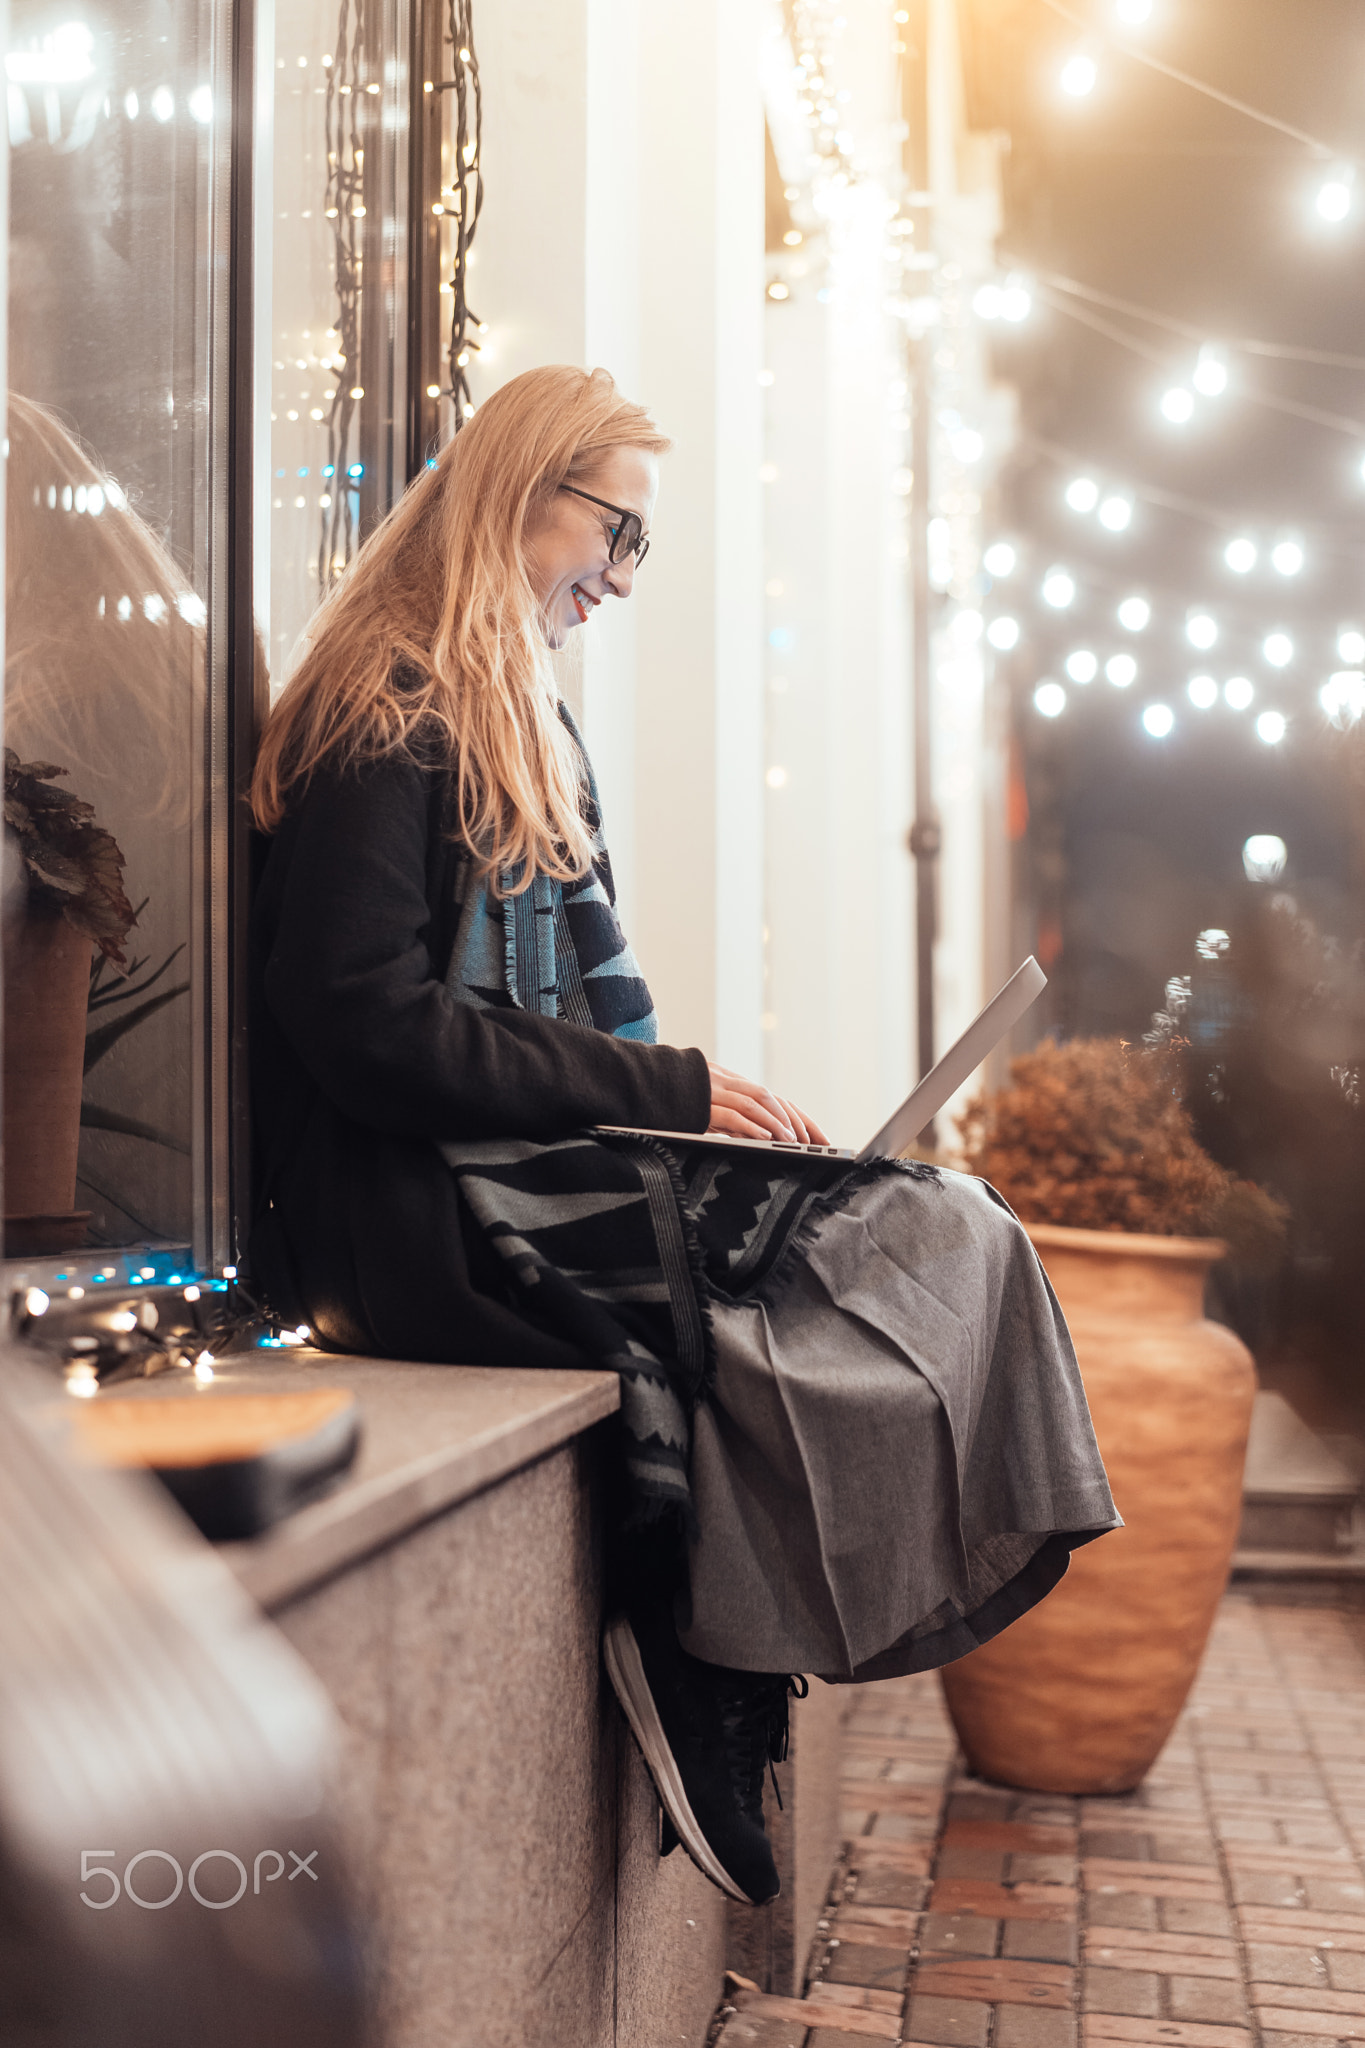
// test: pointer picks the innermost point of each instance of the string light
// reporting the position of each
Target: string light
(1003, 634)
(1158, 720)
(1241, 555)
(1083, 494)
(1121, 670)
(1271, 727)
(999, 559)
(1011, 301)
(1078, 75)
(1211, 371)
(1050, 699)
(1059, 589)
(1202, 692)
(1116, 514)
(1264, 856)
(1287, 557)
(1342, 697)
(1177, 405)
(1278, 649)
(1133, 11)
(1334, 195)
(1134, 614)
(1082, 667)
(1238, 692)
(1351, 645)
(1201, 630)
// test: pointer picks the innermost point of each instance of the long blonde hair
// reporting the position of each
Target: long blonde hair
(435, 628)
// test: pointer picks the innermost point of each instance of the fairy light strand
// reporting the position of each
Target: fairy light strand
(462, 198)
(345, 209)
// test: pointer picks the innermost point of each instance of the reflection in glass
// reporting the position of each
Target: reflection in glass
(111, 120)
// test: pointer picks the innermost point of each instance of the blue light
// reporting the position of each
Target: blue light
(356, 469)
(431, 462)
(279, 472)
(303, 472)
(328, 469)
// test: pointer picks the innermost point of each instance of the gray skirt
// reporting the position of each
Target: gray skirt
(896, 1458)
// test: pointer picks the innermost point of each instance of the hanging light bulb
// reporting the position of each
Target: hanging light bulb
(999, 559)
(1050, 699)
(1003, 633)
(1278, 649)
(1078, 75)
(1342, 697)
(1177, 405)
(1287, 557)
(1211, 371)
(1271, 727)
(1121, 671)
(1158, 720)
(1240, 555)
(1334, 194)
(1083, 494)
(1133, 10)
(1059, 589)
(1016, 300)
(1238, 691)
(1116, 514)
(1082, 667)
(1134, 614)
(1202, 692)
(1264, 856)
(1351, 645)
(1201, 630)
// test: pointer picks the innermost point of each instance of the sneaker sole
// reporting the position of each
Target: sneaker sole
(621, 1653)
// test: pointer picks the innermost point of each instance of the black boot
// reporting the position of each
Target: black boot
(707, 1734)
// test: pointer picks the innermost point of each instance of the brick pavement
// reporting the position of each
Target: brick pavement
(1220, 1906)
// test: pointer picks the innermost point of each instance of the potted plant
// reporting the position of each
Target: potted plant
(67, 899)
(1092, 1147)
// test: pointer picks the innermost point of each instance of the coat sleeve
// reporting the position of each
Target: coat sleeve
(351, 983)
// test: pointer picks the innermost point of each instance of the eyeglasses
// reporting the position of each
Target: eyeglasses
(628, 536)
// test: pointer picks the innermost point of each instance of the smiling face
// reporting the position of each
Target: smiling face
(568, 543)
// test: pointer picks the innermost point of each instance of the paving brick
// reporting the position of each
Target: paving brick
(963, 1934)
(1105, 2027)
(872, 1933)
(996, 1901)
(1029, 2026)
(1270, 1963)
(855, 1995)
(881, 1886)
(1349, 2002)
(1194, 1916)
(1223, 1969)
(1126, 1869)
(1034, 1869)
(859, 1962)
(1013, 1983)
(1120, 1909)
(1259, 1888)
(1116, 1844)
(947, 2022)
(1344, 1972)
(981, 1803)
(1135, 1992)
(895, 1923)
(1277, 2021)
(1325, 1895)
(866, 1852)
(897, 1827)
(1040, 1941)
(986, 1864)
(841, 2022)
(747, 2030)
(1191, 1997)
(1019, 1838)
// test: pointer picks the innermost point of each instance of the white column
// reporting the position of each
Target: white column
(699, 752)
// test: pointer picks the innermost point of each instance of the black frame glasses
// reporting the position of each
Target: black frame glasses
(629, 537)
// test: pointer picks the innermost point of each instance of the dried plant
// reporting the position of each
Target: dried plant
(74, 867)
(1094, 1134)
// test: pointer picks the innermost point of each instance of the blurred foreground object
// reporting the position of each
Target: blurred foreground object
(1081, 1694)
(169, 1872)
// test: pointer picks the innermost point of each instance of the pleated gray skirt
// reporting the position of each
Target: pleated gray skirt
(896, 1458)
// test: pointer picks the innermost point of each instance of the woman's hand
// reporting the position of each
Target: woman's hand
(746, 1109)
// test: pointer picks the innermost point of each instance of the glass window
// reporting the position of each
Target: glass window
(114, 192)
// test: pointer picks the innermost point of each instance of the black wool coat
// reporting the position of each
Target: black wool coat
(360, 1060)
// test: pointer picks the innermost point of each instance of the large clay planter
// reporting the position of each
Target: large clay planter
(47, 985)
(1081, 1694)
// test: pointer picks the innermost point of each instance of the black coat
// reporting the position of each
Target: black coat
(360, 1059)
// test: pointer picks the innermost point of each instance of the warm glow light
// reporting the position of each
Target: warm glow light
(999, 559)
(1134, 614)
(1351, 645)
(1211, 371)
(36, 1303)
(1082, 666)
(1077, 76)
(1202, 692)
(1287, 557)
(1059, 589)
(1116, 514)
(1016, 301)
(1201, 630)
(1050, 699)
(1333, 201)
(1278, 649)
(1003, 634)
(1177, 405)
(1270, 727)
(1133, 10)
(1238, 691)
(1121, 671)
(1264, 856)
(203, 1368)
(1342, 697)
(1158, 720)
(1240, 555)
(1083, 494)
(967, 628)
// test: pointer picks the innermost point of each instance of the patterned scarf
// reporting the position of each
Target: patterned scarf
(619, 1245)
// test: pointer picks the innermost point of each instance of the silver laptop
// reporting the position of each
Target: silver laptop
(924, 1101)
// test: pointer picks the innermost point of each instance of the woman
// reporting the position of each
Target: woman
(853, 1438)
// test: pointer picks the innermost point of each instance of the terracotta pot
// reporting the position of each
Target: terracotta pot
(47, 984)
(1081, 1694)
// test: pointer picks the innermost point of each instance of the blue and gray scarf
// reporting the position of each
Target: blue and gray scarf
(620, 1244)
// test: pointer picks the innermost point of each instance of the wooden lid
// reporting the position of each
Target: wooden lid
(180, 1430)
(1188, 1251)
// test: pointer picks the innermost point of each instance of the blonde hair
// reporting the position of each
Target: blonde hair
(104, 635)
(436, 630)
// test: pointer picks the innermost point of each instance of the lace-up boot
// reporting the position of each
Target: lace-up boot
(707, 1734)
